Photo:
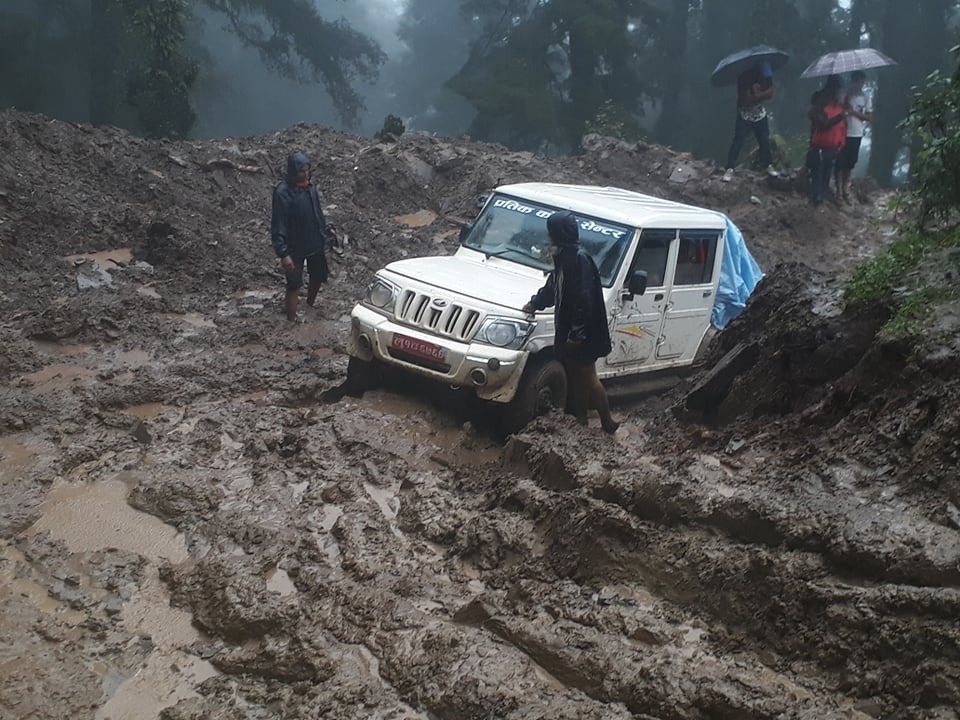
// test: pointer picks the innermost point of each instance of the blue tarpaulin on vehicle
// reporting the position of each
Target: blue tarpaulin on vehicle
(739, 275)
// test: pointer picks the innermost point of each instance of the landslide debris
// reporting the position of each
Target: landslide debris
(781, 542)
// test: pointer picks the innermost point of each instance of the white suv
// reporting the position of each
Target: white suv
(457, 319)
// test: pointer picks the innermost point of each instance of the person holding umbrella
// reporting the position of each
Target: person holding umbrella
(754, 88)
(751, 70)
(859, 112)
(828, 132)
(856, 110)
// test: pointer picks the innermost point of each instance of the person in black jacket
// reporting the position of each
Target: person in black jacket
(581, 334)
(299, 232)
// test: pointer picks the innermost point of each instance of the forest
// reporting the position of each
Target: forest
(530, 74)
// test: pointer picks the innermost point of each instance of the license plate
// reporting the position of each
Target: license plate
(419, 348)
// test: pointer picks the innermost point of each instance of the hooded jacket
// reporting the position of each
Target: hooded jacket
(575, 292)
(297, 227)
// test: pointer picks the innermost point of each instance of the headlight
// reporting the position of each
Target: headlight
(505, 332)
(382, 294)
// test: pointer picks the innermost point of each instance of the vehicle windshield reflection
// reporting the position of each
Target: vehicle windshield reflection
(516, 230)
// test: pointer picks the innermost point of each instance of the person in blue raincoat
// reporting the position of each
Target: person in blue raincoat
(581, 334)
(299, 232)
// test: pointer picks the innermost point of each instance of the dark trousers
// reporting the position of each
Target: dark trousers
(821, 164)
(761, 129)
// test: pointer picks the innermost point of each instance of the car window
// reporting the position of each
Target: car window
(695, 257)
(652, 255)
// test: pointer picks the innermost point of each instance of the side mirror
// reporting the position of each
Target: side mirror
(638, 282)
(465, 230)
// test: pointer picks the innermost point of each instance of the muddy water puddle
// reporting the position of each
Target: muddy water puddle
(456, 444)
(133, 359)
(149, 292)
(169, 674)
(53, 348)
(148, 411)
(15, 583)
(419, 219)
(262, 294)
(59, 376)
(385, 498)
(193, 321)
(104, 258)
(279, 581)
(62, 376)
(93, 517)
(19, 453)
(357, 660)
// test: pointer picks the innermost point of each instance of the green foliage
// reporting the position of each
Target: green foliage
(934, 121)
(873, 282)
(393, 127)
(297, 42)
(896, 280)
(126, 61)
(158, 88)
(914, 314)
(613, 121)
(16, 34)
(543, 70)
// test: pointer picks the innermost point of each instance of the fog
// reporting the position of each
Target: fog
(530, 74)
(239, 95)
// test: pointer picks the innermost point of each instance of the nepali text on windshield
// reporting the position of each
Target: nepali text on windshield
(516, 230)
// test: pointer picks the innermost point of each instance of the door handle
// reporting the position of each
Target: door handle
(658, 296)
(707, 293)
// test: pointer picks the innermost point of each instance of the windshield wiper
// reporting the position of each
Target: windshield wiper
(499, 253)
(517, 250)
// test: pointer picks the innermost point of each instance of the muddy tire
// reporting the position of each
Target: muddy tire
(543, 388)
(362, 375)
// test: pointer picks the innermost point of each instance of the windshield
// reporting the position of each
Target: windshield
(517, 230)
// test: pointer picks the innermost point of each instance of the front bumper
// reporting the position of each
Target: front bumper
(494, 373)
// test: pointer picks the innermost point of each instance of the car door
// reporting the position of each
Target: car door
(635, 331)
(690, 300)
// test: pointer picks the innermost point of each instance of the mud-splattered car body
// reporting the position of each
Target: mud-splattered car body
(457, 319)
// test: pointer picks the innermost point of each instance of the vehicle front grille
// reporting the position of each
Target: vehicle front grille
(438, 315)
(440, 367)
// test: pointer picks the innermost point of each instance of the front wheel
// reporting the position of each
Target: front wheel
(543, 388)
(362, 375)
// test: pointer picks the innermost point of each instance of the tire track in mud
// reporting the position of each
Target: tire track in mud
(424, 571)
(433, 629)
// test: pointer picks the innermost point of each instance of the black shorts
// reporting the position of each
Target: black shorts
(317, 268)
(578, 355)
(850, 154)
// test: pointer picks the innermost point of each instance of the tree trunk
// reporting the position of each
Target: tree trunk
(670, 125)
(582, 82)
(105, 27)
(858, 16)
(915, 36)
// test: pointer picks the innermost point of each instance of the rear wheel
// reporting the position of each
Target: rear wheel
(543, 388)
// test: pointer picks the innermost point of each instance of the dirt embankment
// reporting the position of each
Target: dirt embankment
(185, 526)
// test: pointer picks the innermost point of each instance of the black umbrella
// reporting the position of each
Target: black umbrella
(729, 69)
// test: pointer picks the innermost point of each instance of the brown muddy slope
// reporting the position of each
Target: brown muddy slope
(187, 526)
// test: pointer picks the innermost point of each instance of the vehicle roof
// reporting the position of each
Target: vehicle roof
(623, 206)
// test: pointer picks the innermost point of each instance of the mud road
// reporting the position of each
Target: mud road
(190, 531)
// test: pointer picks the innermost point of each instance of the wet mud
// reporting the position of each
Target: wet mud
(191, 528)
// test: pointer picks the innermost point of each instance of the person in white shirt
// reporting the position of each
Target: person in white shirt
(859, 112)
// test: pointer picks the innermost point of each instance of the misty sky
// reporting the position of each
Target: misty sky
(262, 101)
